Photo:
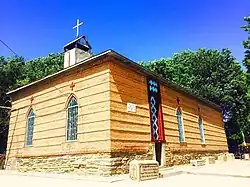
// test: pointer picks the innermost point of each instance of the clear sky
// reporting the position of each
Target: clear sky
(139, 29)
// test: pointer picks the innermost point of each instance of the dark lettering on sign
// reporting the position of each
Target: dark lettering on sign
(155, 108)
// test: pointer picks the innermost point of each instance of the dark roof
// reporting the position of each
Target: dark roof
(80, 42)
(130, 63)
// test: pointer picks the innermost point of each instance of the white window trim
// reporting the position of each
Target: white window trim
(67, 107)
(203, 130)
(27, 128)
(182, 123)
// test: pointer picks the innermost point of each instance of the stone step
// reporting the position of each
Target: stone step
(199, 162)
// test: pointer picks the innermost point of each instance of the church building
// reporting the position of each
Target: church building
(102, 111)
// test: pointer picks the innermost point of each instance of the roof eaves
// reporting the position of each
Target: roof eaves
(86, 61)
(166, 82)
(130, 62)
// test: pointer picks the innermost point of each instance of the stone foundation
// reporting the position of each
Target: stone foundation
(184, 157)
(80, 164)
(104, 164)
(121, 160)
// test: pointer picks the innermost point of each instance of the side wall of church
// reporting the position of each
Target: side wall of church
(50, 150)
(130, 131)
(214, 132)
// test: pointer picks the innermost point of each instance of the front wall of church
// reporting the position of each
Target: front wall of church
(130, 131)
(50, 150)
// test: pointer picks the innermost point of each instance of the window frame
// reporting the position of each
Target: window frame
(183, 140)
(27, 135)
(68, 134)
(203, 139)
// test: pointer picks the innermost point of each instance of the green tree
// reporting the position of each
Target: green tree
(214, 75)
(15, 72)
(41, 67)
(11, 72)
(246, 44)
(246, 60)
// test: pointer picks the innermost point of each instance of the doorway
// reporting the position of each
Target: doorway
(158, 152)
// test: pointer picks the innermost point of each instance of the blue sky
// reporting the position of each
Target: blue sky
(140, 30)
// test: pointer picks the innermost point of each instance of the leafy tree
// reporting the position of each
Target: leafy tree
(41, 67)
(246, 60)
(11, 72)
(5, 105)
(246, 44)
(214, 75)
(15, 72)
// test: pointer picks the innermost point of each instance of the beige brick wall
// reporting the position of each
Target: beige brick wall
(49, 104)
(131, 131)
(103, 90)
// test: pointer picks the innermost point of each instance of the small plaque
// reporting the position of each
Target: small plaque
(131, 107)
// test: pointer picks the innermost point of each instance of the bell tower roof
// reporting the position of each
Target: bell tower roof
(80, 43)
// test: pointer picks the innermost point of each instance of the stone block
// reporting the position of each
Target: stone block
(246, 156)
(220, 158)
(199, 162)
(78, 164)
(143, 170)
(209, 160)
(230, 156)
(225, 157)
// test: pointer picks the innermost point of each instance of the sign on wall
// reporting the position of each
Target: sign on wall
(155, 108)
(131, 107)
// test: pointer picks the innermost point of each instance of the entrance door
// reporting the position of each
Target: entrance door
(158, 149)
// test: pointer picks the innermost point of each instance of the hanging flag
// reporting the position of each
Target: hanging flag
(155, 110)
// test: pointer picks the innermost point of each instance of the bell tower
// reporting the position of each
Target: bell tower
(77, 50)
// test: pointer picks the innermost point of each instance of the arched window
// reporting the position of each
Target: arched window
(200, 123)
(30, 127)
(72, 115)
(180, 125)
